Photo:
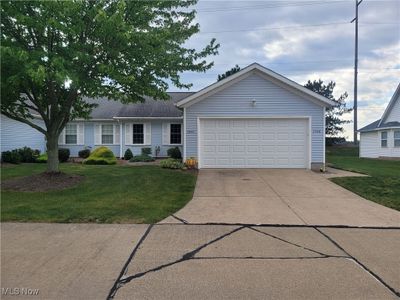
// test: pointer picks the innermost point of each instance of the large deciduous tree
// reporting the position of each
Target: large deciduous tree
(333, 118)
(55, 52)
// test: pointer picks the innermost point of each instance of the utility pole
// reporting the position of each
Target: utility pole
(358, 2)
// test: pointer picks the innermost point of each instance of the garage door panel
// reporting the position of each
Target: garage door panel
(254, 143)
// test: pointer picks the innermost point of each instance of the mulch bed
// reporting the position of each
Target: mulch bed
(42, 182)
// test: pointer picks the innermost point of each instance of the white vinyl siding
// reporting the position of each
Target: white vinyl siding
(72, 134)
(138, 133)
(394, 114)
(370, 144)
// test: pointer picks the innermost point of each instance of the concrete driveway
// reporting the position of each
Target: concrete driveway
(183, 261)
(279, 196)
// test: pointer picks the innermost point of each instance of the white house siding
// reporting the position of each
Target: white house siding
(394, 115)
(271, 101)
(16, 134)
(370, 145)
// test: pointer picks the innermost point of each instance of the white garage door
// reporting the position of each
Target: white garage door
(254, 143)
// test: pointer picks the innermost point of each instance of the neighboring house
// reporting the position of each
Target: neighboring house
(255, 118)
(382, 137)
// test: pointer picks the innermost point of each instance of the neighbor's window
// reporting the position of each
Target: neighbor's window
(71, 134)
(397, 138)
(384, 139)
(175, 134)
(107, 134)
(138, 134)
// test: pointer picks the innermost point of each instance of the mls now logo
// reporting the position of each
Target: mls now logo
(19, 291)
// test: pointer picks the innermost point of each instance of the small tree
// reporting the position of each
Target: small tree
(55, 52)
(333, 118)
(228, 73)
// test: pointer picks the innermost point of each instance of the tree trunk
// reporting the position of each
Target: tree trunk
(52, 153)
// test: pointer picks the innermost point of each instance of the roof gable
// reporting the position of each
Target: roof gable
(260, 70)
(393, 104)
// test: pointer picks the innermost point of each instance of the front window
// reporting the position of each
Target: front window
(397, 138)
(384, 139)
(138, 134)
(107, 134)
(175, 134)
(71, 134)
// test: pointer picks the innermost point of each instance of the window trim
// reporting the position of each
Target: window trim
(144, 134)
(396, 139)
(76, 134)
(101, 135)
(384, 139)
(170, 133)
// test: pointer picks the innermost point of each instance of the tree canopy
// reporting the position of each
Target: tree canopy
(333, 118)
(228, 73)
(53, 53)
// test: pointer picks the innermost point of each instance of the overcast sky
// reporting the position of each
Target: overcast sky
(307, 39)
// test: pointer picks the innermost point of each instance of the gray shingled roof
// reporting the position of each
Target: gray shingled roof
(374, 126)
(107, 109)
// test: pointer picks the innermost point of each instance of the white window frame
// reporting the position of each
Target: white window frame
(384, 139)
(101, 134)
(166, 134)
(144, 134)
(147, 138)
(76, 134)
(180, 124)
(396, 139)
(80, 135)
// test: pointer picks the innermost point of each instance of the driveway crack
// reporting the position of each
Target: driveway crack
(290, 243)
(187, 256)
(180, 219)
(117, 283)
(359, 263)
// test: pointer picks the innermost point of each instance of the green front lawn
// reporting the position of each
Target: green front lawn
(108, 194)
(383, 185)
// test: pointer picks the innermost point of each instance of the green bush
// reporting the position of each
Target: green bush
(128, 154)
(171, 163)
(42, 158)
(174, 153)
(12, 157)
(142, 158)
(85, 153)
(146, 151)
(63, 154)
(101, 156)
(28, 155)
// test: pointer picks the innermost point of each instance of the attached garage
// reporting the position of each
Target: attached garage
(254, 143)
(255, 118)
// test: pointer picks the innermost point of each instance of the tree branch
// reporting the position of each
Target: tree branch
(17, 118)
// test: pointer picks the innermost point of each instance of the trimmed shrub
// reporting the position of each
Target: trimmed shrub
(85, 153)
(28, 155)
(42, 158)
(142, 158)
(146, 151)
(63, 154)
(128, 154)
(171, 163)
(101, 156)
(12, 157)
(174, 153)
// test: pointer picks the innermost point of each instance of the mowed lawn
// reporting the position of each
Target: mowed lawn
(383, 185)
(108, 194)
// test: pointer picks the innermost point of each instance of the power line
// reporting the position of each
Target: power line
(288, 4)
(292, 27)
